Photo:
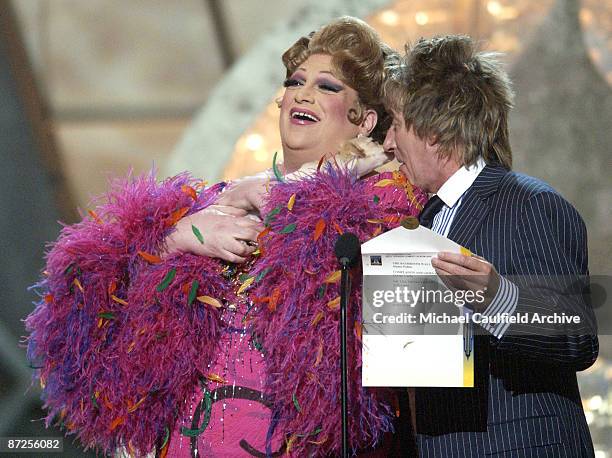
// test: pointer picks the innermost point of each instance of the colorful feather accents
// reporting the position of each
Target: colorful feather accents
(116, 342)
(299, 328)
(121, 336)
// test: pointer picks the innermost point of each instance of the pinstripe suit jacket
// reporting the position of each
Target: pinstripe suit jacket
(526, 401)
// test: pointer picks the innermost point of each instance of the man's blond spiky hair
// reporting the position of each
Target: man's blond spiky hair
(458, 97)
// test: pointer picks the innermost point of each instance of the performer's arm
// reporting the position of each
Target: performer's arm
(120, 335)
(550, 248)
(549, 257)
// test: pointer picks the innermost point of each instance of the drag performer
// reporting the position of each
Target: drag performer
(171, 323)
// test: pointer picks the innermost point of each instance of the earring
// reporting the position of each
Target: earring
(278, 101)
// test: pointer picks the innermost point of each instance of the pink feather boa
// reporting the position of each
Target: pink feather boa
(298, 318)
(115, 373)
(113, 354)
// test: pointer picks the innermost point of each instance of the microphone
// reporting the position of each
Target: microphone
(347, 249)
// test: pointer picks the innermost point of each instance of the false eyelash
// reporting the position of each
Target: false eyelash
(290, 82)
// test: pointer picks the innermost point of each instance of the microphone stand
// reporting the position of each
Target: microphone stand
(347, 251)
(345, 291)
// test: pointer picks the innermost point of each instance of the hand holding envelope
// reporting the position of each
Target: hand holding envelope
(467, 272)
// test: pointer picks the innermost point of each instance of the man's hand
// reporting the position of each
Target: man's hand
(225, 233)
(362, 155)
(461, 272)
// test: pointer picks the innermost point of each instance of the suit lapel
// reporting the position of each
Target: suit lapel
(474, 206)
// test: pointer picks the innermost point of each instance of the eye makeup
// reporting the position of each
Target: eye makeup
(292, 82)
(296, 79)
(324, 85)
(327, 85)
(321, 82)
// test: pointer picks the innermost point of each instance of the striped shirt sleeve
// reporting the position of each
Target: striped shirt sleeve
(504, 302)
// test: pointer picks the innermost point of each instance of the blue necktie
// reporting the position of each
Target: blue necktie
(432, 207)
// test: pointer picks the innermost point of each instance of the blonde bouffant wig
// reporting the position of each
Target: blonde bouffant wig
(358, 60)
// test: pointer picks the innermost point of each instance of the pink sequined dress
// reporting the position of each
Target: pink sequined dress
(229, 416)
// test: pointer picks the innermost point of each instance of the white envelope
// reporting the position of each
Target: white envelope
(400, 256)
(401, 240)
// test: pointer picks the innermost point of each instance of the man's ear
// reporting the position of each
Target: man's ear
(432, 140)
(431, 145)
(369, 122)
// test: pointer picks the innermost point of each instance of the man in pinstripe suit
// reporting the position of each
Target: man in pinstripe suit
(450, 107)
